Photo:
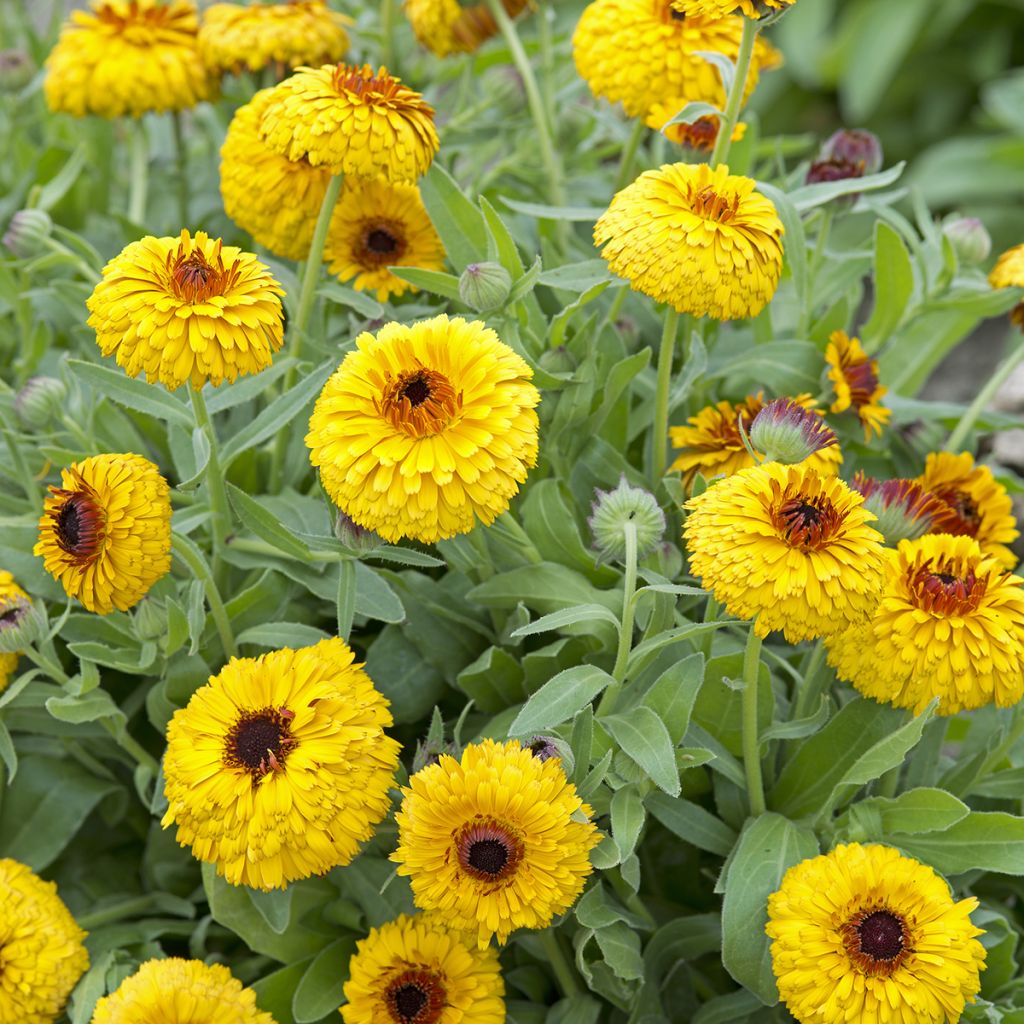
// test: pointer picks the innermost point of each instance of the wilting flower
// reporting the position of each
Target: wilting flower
(787, 431)
(187, 309)
(174, 990)
(1009, 273)
(414, 970)
(787, 548)
(700, 239)
(450, 26)
(496, 841)
(854, 378)
(905, 510)
(105, 533)
(377, 225)
(711, 443)
(625, 505)
(638, 52)
(42, 955)
(279, 767)
(275, 199)
(950, 624)
(699, 134)
(424, 429)
(975, 504)
(351, 121)
(864, 933)
(720, 8)
(285, 35)
(127, 57)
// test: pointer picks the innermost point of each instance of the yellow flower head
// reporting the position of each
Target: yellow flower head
(699, 135)
(126, 58)
(175, 991)
(377, 225)
(855, 380)
(351, 121)
(702, 240)
(711, 444)
(449, 26)
(788, 548)
(866, 934)
(424, 429)
(1009, 273)
(12, 605)
(233, 38)
(975, 504)
(276, 200)
(950, 624)
(720, 8)
(496, 841)
(637, 52)
(187, 309)
(279, 767)
(42, 955)
(413, 970)
(105, 533)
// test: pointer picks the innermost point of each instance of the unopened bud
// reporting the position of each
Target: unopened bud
(856, 147)
(971, 242)
(429, 752)
(557, 360)
(22, 623)
(356, 538)
(613, 510)
(905, 510)
(787, 432)
(16, 70)
(544, 748)
(40, 402)
(485, 286)
(27, 232)
(832, 170)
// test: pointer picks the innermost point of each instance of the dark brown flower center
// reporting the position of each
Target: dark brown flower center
(862, 381)
(945, 588)
(78, 522)
(12, 612)
(416, 996)
(488, 850)
(877, 941)
(381, 242)
(701, 134)
(962, 517)
(420, 402)
(807, 522)
(260, 741)
(194, 278)
(708, 204)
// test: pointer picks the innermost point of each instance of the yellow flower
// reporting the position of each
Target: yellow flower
(720, 8)
(711, 444)
(176, 991)
(377, 225)
(788, 548)
(702, 240)
(12, 599)
(975, 504)
(1009, 273)
(413, 970)
(855, 379)
(424, 429)
(449, 26)
(232, 38)
(950, 624)
(866, 934)
(127, 57)
(275, 200)
(105, 533)
(638, 52)
(699, 135)
(42, 955)
(495, 841)
(279, 767)
(351, 121)
(187, 309)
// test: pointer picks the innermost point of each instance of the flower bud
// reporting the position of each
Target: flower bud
(16, 70)
(22, 623)
(485, 286)
(856, 147)
(150, 619)
(40, 402)
(428, 752)
(905, 510)
(544, 748)
(971, 242)
(832, 170)
(557, 360)
(787, 432)
(613, 510)
(356, 538)
(27, 232)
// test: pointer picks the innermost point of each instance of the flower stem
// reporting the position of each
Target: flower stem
(564, 973)
(751, 745)
(130, 746)
(184, 550)
(126, 908)
(220, 514)
(51, 668)
(180, 166)
(387, 34)
(629, 155)
(813, 681)
(139, 170)
(734, 101)
(984, 396)
(611, 693)
(665, 353)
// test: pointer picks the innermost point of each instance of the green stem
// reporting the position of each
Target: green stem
(665, 353)
(51, 668)
(387, 35)
(984, 396)
(89, 273)
(711, 612)
(889, 783)
(180, 166)
(734, 101)
(130, 746)
(813, 682)
(564, 973)
(629, 155)
(611, 693)
(217, 609)
(126, 908)
(139, 170)
(219, 509)
(751, 744)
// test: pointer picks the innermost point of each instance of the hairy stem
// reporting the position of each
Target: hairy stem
(665, 352)
(751, 743)
(734, 101)
(139, 171)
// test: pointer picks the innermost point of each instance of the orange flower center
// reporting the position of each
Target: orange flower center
(808, 523)
(701, 134)
(708, 204)
(877, 942)
(962, 517)
(416, 996)
(153, 17)
(366, 86)
(260, 741)
(421, 402)
(488, 850)
(193, 278)
(78, 523)
(943, 592)
(381, 243)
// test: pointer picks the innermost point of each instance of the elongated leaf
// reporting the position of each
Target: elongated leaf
(434, 281)
(281, 634)
(560, 698)
(542, 212)
(644, 737)
(692, 823)
(266, 525)
(983, 840)
(245, 389)
(322, 987)
(150, 399)
(459, 223)
(810, 196)
(894, 284)
(566, 617)
(627, 817)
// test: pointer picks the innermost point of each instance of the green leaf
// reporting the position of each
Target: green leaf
(731, 1008)
(92, 706)
(374, 596)
(627, 818)
(266, 525)
(798, 728)
(345, 296)
(692, 823)
(644, 737)
(916, 811)
(275, 907)
(577, 277)
(559, 699)
(894, 284)
(566, 617)
(621, 948)
(981, 841)
(245, 389)
(674, 693)
(150, 399)
(542, 212)
(794, 240)
(693, 111)
(412, 685)
(434, 281)
(809, 196)
(7, 752)
(281, 634)
(321, 990)
(459, 223)
(494, 680)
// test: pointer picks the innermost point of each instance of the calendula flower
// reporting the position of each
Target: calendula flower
(866, 934)
(105, 533)
(414, 970)
(423, 430)
(175, 991)
(638, 52)
(495, 841)
(126, 58)
(788, 432)
(720, 8)
(275, 199)
(788, 548)
(377, 225)
(351, 120)
(854, 378)
(700, 239)
(233, 38)
(974, 504)
(279, 767)
(450, 26)
(1009, 273)
(42, 952)
(187, 309)
(905, 510)
(13, 604)
(699, 135)
(711, 444)
(950, 624)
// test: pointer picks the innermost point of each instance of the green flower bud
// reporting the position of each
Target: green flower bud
(358, 540)
(40, 402)
(971, 242)
(150, 619)
(485, 286)
(27, 232)
(16, 70)
(787, 432)
(22, 623)
(613, 510)
(557, 360)
(905, 510)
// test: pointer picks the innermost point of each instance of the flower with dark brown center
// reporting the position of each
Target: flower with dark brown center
(488, 850)
(416, 996)
(877, 942)
(260, 741)
(78, 522)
